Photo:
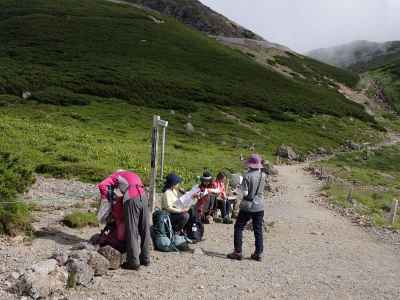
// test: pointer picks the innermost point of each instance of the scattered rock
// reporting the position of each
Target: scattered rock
(87, 246)
(98, 263)
(113, 256)
(80, 273)
(26, 95)
(189, 128)
(14, 276)
(322, 151)
(61, 257)
(45, 267)
(353, 146)
(155, 20)
(82, 255)
(286, 152)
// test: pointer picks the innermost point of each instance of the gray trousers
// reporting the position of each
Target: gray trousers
(136, 215)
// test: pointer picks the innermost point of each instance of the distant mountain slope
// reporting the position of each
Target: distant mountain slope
(359, 55)
(98, 71)
(198, 16)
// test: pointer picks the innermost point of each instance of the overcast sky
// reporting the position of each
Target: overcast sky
(303, 25)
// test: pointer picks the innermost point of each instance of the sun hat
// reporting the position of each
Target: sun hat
(207, 176)
(173, 179)
(254, 162)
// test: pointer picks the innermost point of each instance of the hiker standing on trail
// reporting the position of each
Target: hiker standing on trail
(136, 216)
(251, 208)
(178, 216)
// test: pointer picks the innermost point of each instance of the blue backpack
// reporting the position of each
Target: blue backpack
(163, 236)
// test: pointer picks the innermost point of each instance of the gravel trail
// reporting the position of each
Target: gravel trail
(311, 253)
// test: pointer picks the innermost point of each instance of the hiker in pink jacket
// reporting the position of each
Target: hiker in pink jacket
(135, 214)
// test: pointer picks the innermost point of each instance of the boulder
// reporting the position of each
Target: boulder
(98, 263)
(26, 95)
(113, 256)
(286, 152)
(80, 273)
(38, 285)
(189, 128)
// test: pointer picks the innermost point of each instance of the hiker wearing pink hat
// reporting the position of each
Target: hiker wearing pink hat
(251, 208)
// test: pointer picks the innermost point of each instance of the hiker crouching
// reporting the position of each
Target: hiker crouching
(135, 209)
(251, 208)
(178, 216)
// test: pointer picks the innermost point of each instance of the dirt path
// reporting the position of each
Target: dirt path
(311, 253)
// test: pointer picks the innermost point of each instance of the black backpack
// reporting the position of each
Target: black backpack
(194, 228)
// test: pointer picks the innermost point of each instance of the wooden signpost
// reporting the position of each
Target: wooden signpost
(157, 123)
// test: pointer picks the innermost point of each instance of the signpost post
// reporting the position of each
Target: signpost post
(157, 122)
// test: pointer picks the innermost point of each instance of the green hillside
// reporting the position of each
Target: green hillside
(98, 72)
(388, 78)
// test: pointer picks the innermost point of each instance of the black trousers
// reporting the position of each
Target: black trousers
(136, 215)
(225, 208)
(241, 221)
(179, 220)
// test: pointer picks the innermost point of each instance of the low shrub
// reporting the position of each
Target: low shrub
(15, 178)
(60, 96)
(79, 219)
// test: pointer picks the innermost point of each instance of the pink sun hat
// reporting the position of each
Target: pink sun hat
(254, 162)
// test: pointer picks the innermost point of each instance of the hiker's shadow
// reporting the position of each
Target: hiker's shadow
(215, 254)
(58, 236)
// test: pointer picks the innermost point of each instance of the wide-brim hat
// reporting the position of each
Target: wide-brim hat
(207, 176)
(254, 162)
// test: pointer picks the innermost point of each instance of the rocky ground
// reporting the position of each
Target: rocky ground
(311, 253)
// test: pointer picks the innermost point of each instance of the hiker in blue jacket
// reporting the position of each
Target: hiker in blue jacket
(251, 208)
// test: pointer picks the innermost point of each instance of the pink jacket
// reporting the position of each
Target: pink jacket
(129, 184)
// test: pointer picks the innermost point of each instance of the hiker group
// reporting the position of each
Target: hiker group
(180, 219)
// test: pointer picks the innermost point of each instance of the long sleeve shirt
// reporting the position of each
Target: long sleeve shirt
(127, 182)
(169, 201)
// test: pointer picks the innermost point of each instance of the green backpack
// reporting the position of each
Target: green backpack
(163, 236)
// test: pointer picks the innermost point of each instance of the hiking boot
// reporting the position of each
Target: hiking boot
(228, 221)
(256, 257)
(235, 256)
(145, 263)
(128, 266)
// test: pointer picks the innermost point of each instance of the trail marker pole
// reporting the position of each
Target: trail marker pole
(164, 125)
(157, 122)
(154, 155)
(393, 214)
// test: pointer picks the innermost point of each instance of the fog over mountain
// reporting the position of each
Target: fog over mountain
(305, 25)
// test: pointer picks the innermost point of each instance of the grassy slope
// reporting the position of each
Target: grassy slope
(380, 170)
(389, 77)
(315, 71)
(126, 68)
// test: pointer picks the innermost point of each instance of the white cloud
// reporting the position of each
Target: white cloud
(308, 24)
